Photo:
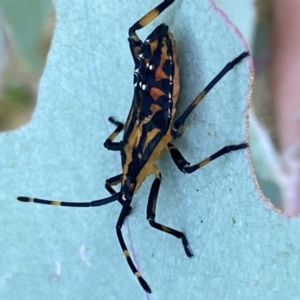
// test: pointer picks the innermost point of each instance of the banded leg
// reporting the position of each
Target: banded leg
(151, 209)
(114, 181)
(178, 125)
(123, 214)
(134, 41)
(148, 17)
(109, 144)
(185, 167)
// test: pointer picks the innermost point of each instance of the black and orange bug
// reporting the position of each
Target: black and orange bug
(150, 128)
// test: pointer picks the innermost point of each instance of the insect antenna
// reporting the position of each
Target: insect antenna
(72, 204)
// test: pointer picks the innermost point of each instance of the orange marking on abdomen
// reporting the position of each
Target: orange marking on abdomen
(160, 74)
(155, 93)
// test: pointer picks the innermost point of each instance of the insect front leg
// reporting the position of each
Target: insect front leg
(178, 125)
(185, 167)
(111, 182)
(114, 181)
(151, 210)
(123, 214)
(109, 144)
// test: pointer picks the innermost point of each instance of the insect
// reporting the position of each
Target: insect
(150, 128)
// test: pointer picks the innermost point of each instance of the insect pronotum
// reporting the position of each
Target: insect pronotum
(150, 128)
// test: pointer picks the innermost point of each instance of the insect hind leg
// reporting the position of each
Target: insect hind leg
(151, 210)
(185, 167)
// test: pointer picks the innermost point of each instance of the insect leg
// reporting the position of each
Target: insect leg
(114, 181)
(151, 209)
(109, 144)
(134, 41)
(148, 17)
(123, 214)
(185, 167)
(177, 129)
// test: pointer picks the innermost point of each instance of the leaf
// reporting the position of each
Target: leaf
(240, 246)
